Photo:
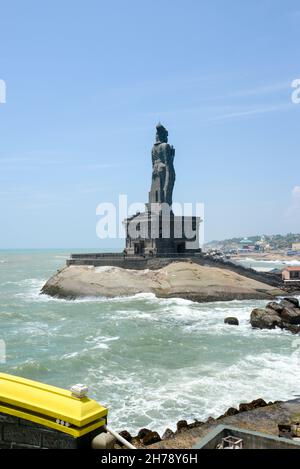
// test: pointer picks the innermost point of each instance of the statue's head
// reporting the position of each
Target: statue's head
(161, 133)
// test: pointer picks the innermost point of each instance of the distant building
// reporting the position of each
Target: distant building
(246, 245)
(296, 247)
(291, 274)
(262, 245)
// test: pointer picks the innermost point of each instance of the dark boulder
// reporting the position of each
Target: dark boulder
(257, 403)
(182, 425)
(244, 407)
(231, 411)
(285, 430)
(292, 328)
(210, 420)
(195, 424)
(151, 438)
(292, 300)
(285, 314)
(231, 321)
(143, 432)
(291, 315)
(265, 319)
(125, 434)
(168, 434)
(277, 307)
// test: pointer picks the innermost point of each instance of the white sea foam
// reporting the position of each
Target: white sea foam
(260, 261)
(294, 262)
(197, 392)
(263, 262)
(153, 361)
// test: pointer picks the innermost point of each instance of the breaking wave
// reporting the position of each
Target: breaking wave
(152, 361)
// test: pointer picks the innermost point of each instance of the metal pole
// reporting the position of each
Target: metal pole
(119, 438)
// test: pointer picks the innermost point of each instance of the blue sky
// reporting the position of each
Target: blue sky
(88, 81)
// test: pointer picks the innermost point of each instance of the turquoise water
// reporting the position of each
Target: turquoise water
(151, 361)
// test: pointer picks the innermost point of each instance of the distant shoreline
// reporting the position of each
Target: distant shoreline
(266, 256)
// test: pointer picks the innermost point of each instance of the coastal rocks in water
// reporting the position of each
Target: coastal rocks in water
(275, 306)
(125, 434)
(142, 433)
(187, 280)
(291, 315)
(210, 420)
(257, 403)
(231, 411)
(285, 315)
(151, 438)
(195, 424)
(183, 428)
(264, 319)
(231, 321)
(182, 425)
(292, 300)
(168, 434)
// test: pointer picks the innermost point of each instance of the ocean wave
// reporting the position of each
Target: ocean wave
(267, 261)
(4, 284)
(96, 299)
(152, 360)
(30, 368)
(193, 393)
(293, 262)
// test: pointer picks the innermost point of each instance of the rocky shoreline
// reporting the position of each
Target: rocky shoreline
(186, 432)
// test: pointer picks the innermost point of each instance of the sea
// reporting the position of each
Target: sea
(151, 361)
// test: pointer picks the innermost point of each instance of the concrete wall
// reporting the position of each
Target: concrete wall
(17, 433)
(251, 440)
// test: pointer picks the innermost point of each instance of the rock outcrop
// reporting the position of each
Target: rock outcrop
(186, 280)
(256, 404)
(284, 314)
(232, 321)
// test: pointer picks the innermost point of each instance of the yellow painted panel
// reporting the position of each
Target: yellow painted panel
(41, 403)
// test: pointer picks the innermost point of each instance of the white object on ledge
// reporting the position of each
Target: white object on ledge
(79, 390)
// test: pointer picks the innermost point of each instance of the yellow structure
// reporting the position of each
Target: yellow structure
(50, 406)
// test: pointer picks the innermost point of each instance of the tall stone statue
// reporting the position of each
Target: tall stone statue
(163, 173)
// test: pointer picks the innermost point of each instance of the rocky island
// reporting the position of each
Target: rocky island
(162, 254)
(186, 280)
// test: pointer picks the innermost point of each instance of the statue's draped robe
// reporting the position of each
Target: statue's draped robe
(163, 173)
